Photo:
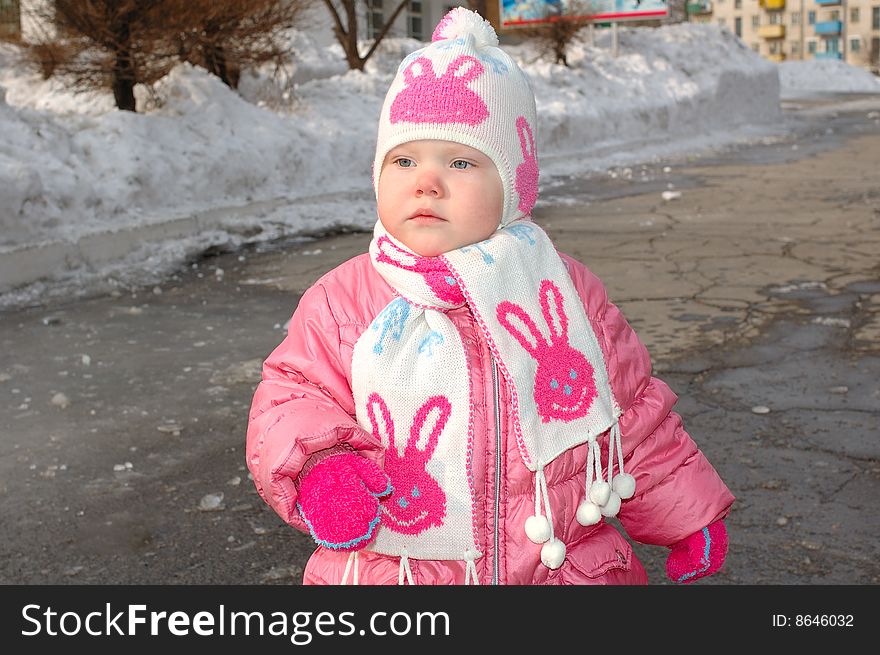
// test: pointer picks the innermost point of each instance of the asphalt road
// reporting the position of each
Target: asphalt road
(757, 291)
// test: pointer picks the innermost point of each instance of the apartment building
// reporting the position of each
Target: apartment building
(10, 19)
(779, 30)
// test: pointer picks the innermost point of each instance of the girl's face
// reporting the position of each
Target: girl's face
(436, 196)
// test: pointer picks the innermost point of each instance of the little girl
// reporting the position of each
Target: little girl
(463, 404)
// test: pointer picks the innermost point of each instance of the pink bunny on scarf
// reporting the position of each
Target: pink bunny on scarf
(417, 502)
(564, 386)
(451, 101)
(437, 276)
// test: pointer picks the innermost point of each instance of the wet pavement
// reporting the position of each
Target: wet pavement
(756, 290)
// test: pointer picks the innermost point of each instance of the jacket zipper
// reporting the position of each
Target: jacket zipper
(497, 464)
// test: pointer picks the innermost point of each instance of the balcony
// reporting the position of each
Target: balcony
(699, 7)
(771, 31)
(828, 55)
(777, 57)
(828, 27)
(772, 5)
(827, 3)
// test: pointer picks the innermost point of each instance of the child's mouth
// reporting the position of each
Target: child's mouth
(427, 219)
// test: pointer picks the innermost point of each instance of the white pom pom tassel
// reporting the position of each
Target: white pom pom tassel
(600, 492)
(460, 22)
(612, 506)
(588, 513)
(537, 529)
(624, 485)
(553, 554)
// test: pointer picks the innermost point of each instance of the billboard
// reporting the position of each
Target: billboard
(530, 12)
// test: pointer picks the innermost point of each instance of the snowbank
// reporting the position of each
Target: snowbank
(825, 75)
(291, 153)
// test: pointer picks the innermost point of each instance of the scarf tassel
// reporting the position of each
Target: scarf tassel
(404, 570)
(603, 498)
(352, 558)
(470, 571)
(404, 573)
(539, 528)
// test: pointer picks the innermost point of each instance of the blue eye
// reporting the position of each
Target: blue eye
(405, 162)
(403, 502)
(461, 164)
(415, 492)
(554, 384)
(572, 374)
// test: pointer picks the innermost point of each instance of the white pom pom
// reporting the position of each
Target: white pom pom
(537, 529)
(612, 506)
(553, 554)
(588, 513)
(624, 485)
(599, 492)
(459, 22)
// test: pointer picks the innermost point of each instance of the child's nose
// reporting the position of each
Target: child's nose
(429, 184)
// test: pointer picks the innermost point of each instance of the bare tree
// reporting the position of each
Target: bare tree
(562, 26)
(227, 36)
(102, 44)
(347, 32)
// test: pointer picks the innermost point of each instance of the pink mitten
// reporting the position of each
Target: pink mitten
(698, 555)
(339, 501)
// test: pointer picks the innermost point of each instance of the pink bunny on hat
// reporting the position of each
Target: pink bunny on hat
(462, 87)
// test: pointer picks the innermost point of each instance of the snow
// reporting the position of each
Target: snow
(823, 76)
(92, 198)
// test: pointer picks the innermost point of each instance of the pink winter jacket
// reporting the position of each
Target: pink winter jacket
(304, 405)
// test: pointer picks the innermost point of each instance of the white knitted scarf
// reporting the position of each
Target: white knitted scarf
(412, 387)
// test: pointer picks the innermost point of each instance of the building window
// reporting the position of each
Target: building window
(875, 18)
(756, 47)
(795, 47)
(375, 18)
(721, 22)
(10, 19)
(774, 47)
(414, 21)
(811, 18)
(795, 18)
(775, 18)
(832, 45)
(854, 15)
(855, 45)
(738, 26)
(756, 20)
(811, 47)
(835, 15)
(737, 4)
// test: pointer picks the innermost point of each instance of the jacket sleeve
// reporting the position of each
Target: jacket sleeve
(678, 491)
(302, 406)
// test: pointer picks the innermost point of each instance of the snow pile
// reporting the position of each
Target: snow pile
(202, 165)
(672, 81)
(825, 75)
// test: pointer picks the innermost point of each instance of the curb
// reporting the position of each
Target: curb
(26, 264)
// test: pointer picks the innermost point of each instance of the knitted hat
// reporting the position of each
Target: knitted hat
(464, 88)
